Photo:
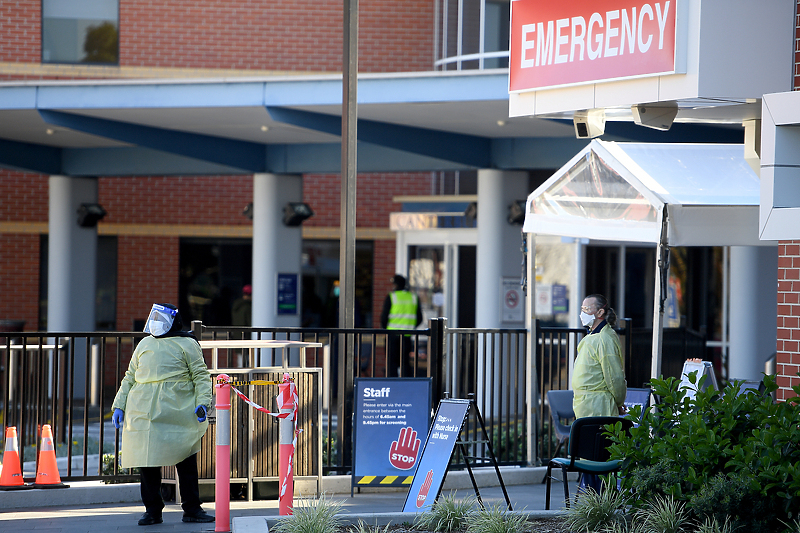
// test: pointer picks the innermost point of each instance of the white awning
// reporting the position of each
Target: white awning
(619, 191)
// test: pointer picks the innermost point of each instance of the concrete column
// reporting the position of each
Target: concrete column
(498, 255)
(499, 242)
(276, 248)
(753, 304)
(72, 256)
(71, 266)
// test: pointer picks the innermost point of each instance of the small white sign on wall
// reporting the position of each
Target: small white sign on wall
(512, 306)
(544, 299)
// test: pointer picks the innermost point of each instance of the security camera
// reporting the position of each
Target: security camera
(658, 116)
(589, 123)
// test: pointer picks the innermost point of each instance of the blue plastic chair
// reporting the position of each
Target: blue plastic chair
(588, 451)
(561, 414)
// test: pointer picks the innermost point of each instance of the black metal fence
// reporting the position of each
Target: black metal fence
(69, 380)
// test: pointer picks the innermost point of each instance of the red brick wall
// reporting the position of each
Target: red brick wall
(20, 31)
(788, 346)
(302, 35)
(24, 196)
(139, 284)
(176, 200)
(797, 48)
(19, 278)
(24, 200)
(373, 196)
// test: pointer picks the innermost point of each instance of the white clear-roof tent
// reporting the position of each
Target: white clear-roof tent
(666, 194)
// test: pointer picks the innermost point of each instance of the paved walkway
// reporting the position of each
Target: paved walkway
(246, 517)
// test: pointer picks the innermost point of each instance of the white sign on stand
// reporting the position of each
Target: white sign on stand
(703, 368)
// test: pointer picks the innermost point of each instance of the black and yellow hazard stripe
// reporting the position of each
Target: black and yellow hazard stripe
(383, 481)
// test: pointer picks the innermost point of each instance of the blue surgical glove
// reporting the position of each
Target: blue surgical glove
(118, 417)
(201, 413)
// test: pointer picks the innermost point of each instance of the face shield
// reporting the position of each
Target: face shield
(160, 320)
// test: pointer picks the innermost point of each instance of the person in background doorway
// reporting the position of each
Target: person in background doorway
(598, 377)
(161, 406)
(242, 311)
(401, 311)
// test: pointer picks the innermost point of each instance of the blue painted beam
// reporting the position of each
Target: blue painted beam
(137, 161)
(467, 150)
(239, 154)
(30, 157)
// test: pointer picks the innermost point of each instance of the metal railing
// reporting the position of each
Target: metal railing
(69, 380)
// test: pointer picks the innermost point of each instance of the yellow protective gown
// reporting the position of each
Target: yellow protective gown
(598, 379)
(166, 380)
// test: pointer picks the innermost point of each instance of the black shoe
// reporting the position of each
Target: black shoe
(148, 519)
(199, 516)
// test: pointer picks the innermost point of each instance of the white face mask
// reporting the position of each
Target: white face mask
(586, 318)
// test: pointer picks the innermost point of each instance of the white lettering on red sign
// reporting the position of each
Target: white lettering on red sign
(584, 41)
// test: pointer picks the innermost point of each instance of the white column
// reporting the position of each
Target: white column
(498, 255)
(71, 266)
(499, 242)
(276, 248)
(72, 256)
(753, 304)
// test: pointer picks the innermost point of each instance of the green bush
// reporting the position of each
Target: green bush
(681, 448)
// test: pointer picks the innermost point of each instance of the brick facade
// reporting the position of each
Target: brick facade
(203, 38)
(248, 35)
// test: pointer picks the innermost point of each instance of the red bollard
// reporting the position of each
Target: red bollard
(286, 435)
(222, 477)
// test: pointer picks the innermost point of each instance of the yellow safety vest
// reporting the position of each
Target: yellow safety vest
(403, 313)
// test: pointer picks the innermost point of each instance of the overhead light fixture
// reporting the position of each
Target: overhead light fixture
(248, 211)
(264, 128)
(294, 213)
(589, 123)
(658, 115)
(50, 131)
(471, 212)
(90, 214)
(516, 213)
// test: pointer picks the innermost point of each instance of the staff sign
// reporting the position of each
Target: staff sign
(390, 422)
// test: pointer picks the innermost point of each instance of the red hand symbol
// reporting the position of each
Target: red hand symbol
(403, 452)
(423, 490)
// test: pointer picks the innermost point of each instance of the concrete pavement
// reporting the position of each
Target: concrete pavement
(93, 507)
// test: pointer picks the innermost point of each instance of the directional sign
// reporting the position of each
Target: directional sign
(436, 455)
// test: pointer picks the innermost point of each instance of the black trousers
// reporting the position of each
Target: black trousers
(400, 349)
(187, 481)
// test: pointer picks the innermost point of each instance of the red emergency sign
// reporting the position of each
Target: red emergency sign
(584, 41)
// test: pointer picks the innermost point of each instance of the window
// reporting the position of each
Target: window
(80, 31)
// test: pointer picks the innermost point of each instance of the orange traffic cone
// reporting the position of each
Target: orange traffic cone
(47, 476)
(11, 476)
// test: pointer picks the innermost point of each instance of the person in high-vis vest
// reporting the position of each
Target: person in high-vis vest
(401, 311)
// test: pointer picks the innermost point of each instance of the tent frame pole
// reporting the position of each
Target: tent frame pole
(660, 293)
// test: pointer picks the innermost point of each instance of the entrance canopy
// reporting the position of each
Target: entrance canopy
(621, 191)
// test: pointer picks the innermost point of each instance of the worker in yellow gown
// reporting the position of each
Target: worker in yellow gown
(161, 406)
(598, 376)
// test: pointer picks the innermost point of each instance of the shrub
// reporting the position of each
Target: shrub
(595, 512)
(679, 449)
(312, 515)
(446, 514)
(496, 519)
